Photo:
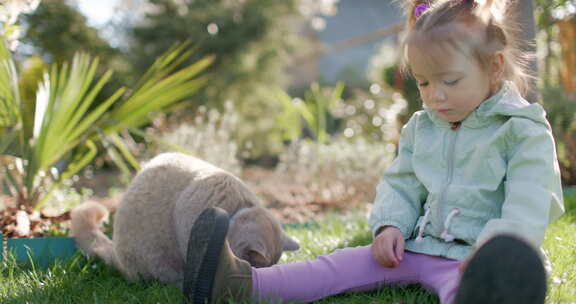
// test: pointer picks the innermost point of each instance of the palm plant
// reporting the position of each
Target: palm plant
(53, 137)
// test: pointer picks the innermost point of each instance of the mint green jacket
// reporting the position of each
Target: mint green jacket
(451, 189)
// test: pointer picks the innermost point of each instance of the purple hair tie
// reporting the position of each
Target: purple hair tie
(420, 9)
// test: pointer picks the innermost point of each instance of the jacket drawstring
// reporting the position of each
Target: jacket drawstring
(423, 225)
(447, 237)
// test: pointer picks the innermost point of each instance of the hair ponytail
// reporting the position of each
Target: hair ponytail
(410, 8)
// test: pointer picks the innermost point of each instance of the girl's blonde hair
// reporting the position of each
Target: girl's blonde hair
(466, 25)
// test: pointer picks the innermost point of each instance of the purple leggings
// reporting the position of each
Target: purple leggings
(353, 269)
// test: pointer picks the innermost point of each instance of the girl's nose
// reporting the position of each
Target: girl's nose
(438, 95)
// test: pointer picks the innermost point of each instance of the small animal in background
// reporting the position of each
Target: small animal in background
(154, 218)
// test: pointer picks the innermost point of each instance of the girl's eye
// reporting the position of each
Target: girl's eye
(451, 83)
(422, 84)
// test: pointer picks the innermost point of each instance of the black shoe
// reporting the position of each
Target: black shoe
(505, 270)
(213, 274)
(207, 238)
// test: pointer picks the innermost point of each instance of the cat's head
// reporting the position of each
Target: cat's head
(257, 237)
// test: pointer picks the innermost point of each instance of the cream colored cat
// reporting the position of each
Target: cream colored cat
(152, 223)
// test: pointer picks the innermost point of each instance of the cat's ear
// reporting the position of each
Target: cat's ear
(257, 258)
(288, 243)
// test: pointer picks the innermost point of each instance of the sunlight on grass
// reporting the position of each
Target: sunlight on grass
(87, 281)
(560, 245)
(78, 281)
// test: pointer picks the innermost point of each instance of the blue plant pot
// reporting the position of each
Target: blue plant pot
(570, 191)
(43, 251)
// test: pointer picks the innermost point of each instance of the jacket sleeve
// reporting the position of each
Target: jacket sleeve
(533, 190)
(399, 195)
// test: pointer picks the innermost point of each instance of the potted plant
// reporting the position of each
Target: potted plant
(48, 138)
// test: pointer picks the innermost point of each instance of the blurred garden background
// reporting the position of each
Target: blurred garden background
(302, 99)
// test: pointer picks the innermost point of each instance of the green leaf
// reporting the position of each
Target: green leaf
(161, 142)
(12, 183)
(9, 95)
(95, 115)
(65, 118)
(79, 162)
(117, 159)
(156, 88)
(117, 141)
(9, 143)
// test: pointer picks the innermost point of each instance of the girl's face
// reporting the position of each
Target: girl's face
(451, 83)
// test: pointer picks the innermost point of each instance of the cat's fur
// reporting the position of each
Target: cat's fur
(153, 221)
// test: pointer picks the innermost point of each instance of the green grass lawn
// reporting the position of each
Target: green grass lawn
(87, 281)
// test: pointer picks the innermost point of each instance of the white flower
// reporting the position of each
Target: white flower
(316, 10)
(10, 9)
(310, 8)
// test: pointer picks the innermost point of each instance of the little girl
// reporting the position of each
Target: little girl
(459, 211)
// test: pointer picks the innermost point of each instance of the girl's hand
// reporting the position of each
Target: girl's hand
(388, 247)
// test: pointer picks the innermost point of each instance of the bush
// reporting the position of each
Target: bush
(311, 177)
(375, 114)
(344, 171)
(561, 110)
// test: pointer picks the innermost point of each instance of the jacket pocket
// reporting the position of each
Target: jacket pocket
(483, 169)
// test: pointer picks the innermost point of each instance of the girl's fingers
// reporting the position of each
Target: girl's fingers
(385, 254)
(388, 248)
(378, 251)
(391, 256)
(399, 249)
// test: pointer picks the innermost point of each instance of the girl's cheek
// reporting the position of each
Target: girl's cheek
(424, 95)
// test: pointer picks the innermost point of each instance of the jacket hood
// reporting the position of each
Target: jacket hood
(506, 103)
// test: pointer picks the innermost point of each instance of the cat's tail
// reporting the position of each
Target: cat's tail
(86, 220)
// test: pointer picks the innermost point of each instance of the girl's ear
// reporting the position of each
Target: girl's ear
(497, 70)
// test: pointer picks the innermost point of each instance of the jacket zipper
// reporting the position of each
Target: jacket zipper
(451, 151)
